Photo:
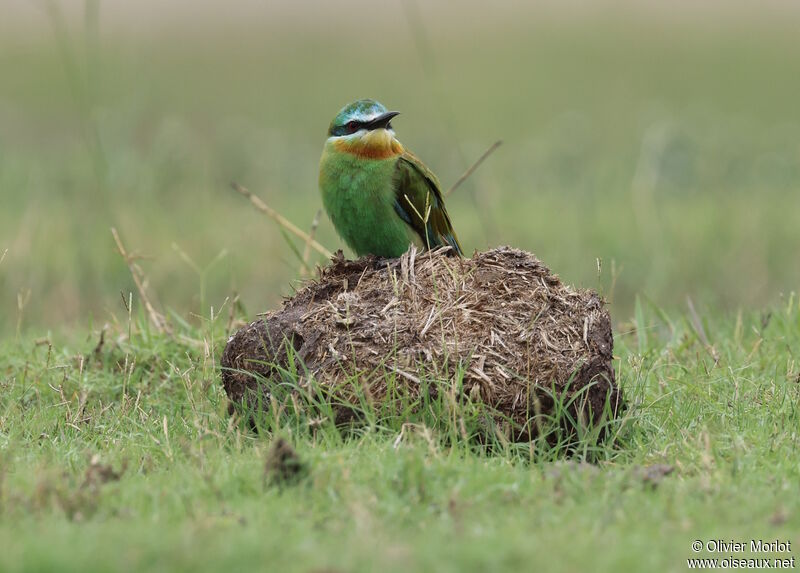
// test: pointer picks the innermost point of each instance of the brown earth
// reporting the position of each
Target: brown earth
(499, 328)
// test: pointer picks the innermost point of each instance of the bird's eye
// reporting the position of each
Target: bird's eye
(352, 126)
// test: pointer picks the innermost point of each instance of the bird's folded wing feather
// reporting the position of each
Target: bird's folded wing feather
(419, 203)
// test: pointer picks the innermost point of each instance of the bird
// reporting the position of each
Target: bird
(379, 196)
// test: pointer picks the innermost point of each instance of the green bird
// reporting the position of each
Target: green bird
(380, 197)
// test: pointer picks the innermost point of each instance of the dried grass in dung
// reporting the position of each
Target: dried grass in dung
(516, 332)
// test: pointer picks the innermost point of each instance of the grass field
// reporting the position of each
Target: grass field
(186, 488)
(665, 145)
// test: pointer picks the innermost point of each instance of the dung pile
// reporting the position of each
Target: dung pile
(501, 322)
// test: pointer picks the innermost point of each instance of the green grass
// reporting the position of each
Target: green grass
(192, 493)
(627, 137)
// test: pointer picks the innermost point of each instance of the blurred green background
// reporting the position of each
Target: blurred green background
(662, 139)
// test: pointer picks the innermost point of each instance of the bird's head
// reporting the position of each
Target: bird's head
(364, 128)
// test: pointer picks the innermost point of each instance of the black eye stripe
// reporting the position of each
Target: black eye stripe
(348, 128)
(354, 125)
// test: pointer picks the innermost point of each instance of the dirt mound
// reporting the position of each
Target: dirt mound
(500, 323)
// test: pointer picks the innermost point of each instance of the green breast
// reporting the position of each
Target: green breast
(358, 196)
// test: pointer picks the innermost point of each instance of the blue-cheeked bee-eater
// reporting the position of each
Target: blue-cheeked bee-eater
(379, 196)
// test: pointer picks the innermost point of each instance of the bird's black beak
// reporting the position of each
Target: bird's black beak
(382, 121)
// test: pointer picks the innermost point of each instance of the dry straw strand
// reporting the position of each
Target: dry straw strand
(259, 204)
(474, 166)
(158, 320)
(307, 249)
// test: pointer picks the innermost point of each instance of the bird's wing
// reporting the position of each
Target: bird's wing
(419, 203)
